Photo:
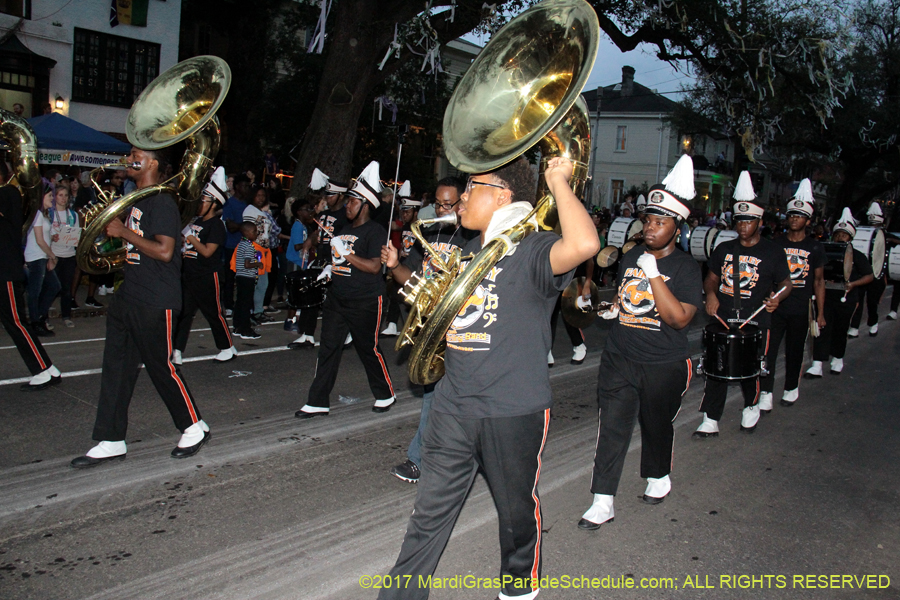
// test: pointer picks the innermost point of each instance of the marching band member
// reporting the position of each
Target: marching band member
(491, 409)
(806, 260)
(870, 294)
(761, 269)
(139, 322)
(355, 300)
(201, 256)
(443, 240)
(646, 367)
(839, 307)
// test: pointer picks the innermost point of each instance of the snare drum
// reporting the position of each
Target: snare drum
(894, 264)
(732, 354)
(871, 242)
(622, 230)
(839, 264)
(304, 290)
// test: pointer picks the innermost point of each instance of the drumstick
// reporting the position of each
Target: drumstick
(760, 309)
(722, 321)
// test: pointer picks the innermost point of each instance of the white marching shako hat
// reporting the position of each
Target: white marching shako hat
(641, 205)
(672, 197)
(321, 181)
(368, 185)
(847, 223)
(875, 216)
(803, 202)
(217, 186)
(745, 206)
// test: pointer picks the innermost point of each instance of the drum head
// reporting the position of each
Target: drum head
(878, 253)
(894, 264)
(573, 315)
(607, 257)
(721, 236)
(848, 262)
(628, 246)
(623, 229)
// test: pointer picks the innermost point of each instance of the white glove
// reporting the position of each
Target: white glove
(340, 246)
(610, 314)
(583, 304)
(647, 263)
(326, 272)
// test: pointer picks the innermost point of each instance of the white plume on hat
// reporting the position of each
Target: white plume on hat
(802, 202)
(218, 185)
(641, 202)
(744, 189)
(318, 180)
(405, 190)
(680, 180)
(874, 213)
(804, 192)
(368, 185)
(846, 223)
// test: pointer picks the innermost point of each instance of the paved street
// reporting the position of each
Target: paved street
(277, 508)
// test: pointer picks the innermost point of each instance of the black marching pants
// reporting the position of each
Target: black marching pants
(12, 315)
(832, 340)
(139, 334)
(575, 335)
(869, 297)
(716, 392)
(895, 296)
(204, 293)
(651, 393)
(243, 306)
(227, 279)
(360, 317)
(793, 329)
(508, 450)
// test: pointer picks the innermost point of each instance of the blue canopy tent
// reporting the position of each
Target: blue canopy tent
(62, 140)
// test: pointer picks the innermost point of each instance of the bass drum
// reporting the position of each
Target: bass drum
(721, 236)
(731, 354)
(622, 230)
(894, 264)
(699, 242)
(839, 264)
(871, 242)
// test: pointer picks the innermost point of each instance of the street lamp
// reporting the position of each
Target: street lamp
(60, 103)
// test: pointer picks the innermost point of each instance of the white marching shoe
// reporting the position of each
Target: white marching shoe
(600, 512)
(657, 489)
(192, 440)
(102, 452)
(390, 330)
(176, 357)
(708, 428)
(892, 315)
(765, 402)
(853, 332)
(225, 355)
(578, 354)
(349, 339)
(837, 365)
(873, 330)
(43, 380)
(749, 418)
(815, 370)
(550, 359)
(790, 396)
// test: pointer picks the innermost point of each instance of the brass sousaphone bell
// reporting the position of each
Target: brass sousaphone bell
(21, 142)
(179, 105)
(523, 89)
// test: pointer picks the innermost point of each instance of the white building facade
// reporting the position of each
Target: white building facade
(66, 56)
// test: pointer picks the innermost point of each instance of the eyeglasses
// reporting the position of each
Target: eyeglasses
(472, 183)
(446, 206)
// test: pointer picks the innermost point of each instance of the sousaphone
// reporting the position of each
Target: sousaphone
(21, 142)
(524, 88)
(179, 105)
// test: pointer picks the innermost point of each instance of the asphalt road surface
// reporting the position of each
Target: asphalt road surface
(277, 508)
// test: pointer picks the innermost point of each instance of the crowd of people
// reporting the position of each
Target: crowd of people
(346, 250)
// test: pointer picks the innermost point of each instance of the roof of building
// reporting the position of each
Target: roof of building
(641, 100)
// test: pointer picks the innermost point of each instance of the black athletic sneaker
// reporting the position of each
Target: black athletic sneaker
(407, 471)
(249, 334)
(41, 330)
(90, 301)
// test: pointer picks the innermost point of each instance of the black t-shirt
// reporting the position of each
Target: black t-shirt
(803, 259)
(151, 282)
(861, 268)
(12, 261)
(762, 268)
(211, 231)
(364, 241)
(444, 241)
(497, 346)
(330, 221)
(640, 334)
